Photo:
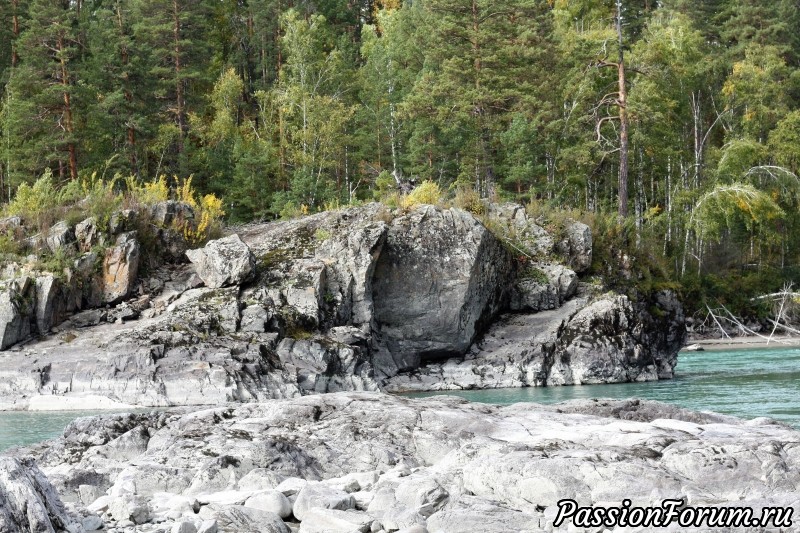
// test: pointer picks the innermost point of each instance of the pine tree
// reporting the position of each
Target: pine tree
(478, 57)
(113, 72)
(171, 35)
(40, 113)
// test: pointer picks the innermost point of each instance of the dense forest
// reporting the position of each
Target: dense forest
(677, 119)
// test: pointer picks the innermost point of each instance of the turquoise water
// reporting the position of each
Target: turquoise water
(743, 383)
(19, 428)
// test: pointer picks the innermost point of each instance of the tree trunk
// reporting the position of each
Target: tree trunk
(124, 57)
(14, 31)
(623, 121)
(73, 160)
(179, 89)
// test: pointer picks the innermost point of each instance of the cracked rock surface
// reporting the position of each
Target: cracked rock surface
(375, 462)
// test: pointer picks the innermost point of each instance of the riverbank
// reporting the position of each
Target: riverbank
(744, 342)
(371, 461)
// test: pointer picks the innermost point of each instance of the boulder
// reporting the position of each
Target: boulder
(542, 287)
(223, 262)
(120, 268)
(165, 213)
(122, 221)
(441, 277)
(17, 304)
(59, 237)
(9, 225)
(576, 247)
(88, 318)
(320, 496)
(613, 340)
(183, 527)
(28, 502)
(272, 501)
(254, 319)
(319, 269)
(92, 523)
(324, 366)
(261, 479)
(129, 507)
(88, 234)
(236, 518)
(335, 521)
(50, 303)
(423, 495)
(305, 292)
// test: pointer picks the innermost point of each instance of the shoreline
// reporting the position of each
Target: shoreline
(741, 343)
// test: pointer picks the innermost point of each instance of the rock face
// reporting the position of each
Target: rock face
(441, 277)
(223, 262)
(372, 462)
(120, 268)
(577, 247)
(360, 299)
(28, 501)
(16, 308)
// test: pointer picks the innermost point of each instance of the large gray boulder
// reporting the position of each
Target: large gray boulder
(17, 301)
(50, 303)
(441, 277)
(542, 287)
(170, 211)
(59, 237)
(320, 496)
(223, 262)
(120, 268)
(320, 269)
(88, 234)
(28, 502)
(324, 366)
(576, 246)
(238, 518)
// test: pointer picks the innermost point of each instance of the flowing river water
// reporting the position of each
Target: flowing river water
(744, 383)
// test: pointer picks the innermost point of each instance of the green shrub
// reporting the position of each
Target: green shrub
(35, 203)
(102, 198)
(468, 199)
(385, 185)
(427, 193)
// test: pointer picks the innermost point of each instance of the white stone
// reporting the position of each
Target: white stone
(272, 501)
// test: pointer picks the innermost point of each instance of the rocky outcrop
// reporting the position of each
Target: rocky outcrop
(355, 299)
(28, 501)
(120, 268)
(374, 462)
(441, 278)
(576, 246)
(223, 262)
(59, 237)
(16, 307)
(88, 234)
(604, 339)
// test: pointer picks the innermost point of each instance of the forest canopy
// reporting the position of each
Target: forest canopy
(681, 117)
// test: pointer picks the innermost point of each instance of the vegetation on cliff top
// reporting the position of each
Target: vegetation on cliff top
(686, 115)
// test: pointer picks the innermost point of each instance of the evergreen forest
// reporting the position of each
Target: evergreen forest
(672, 126)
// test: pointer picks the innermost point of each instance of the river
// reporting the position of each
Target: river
(744, 383)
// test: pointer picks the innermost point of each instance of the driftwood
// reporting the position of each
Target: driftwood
(784, 301)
